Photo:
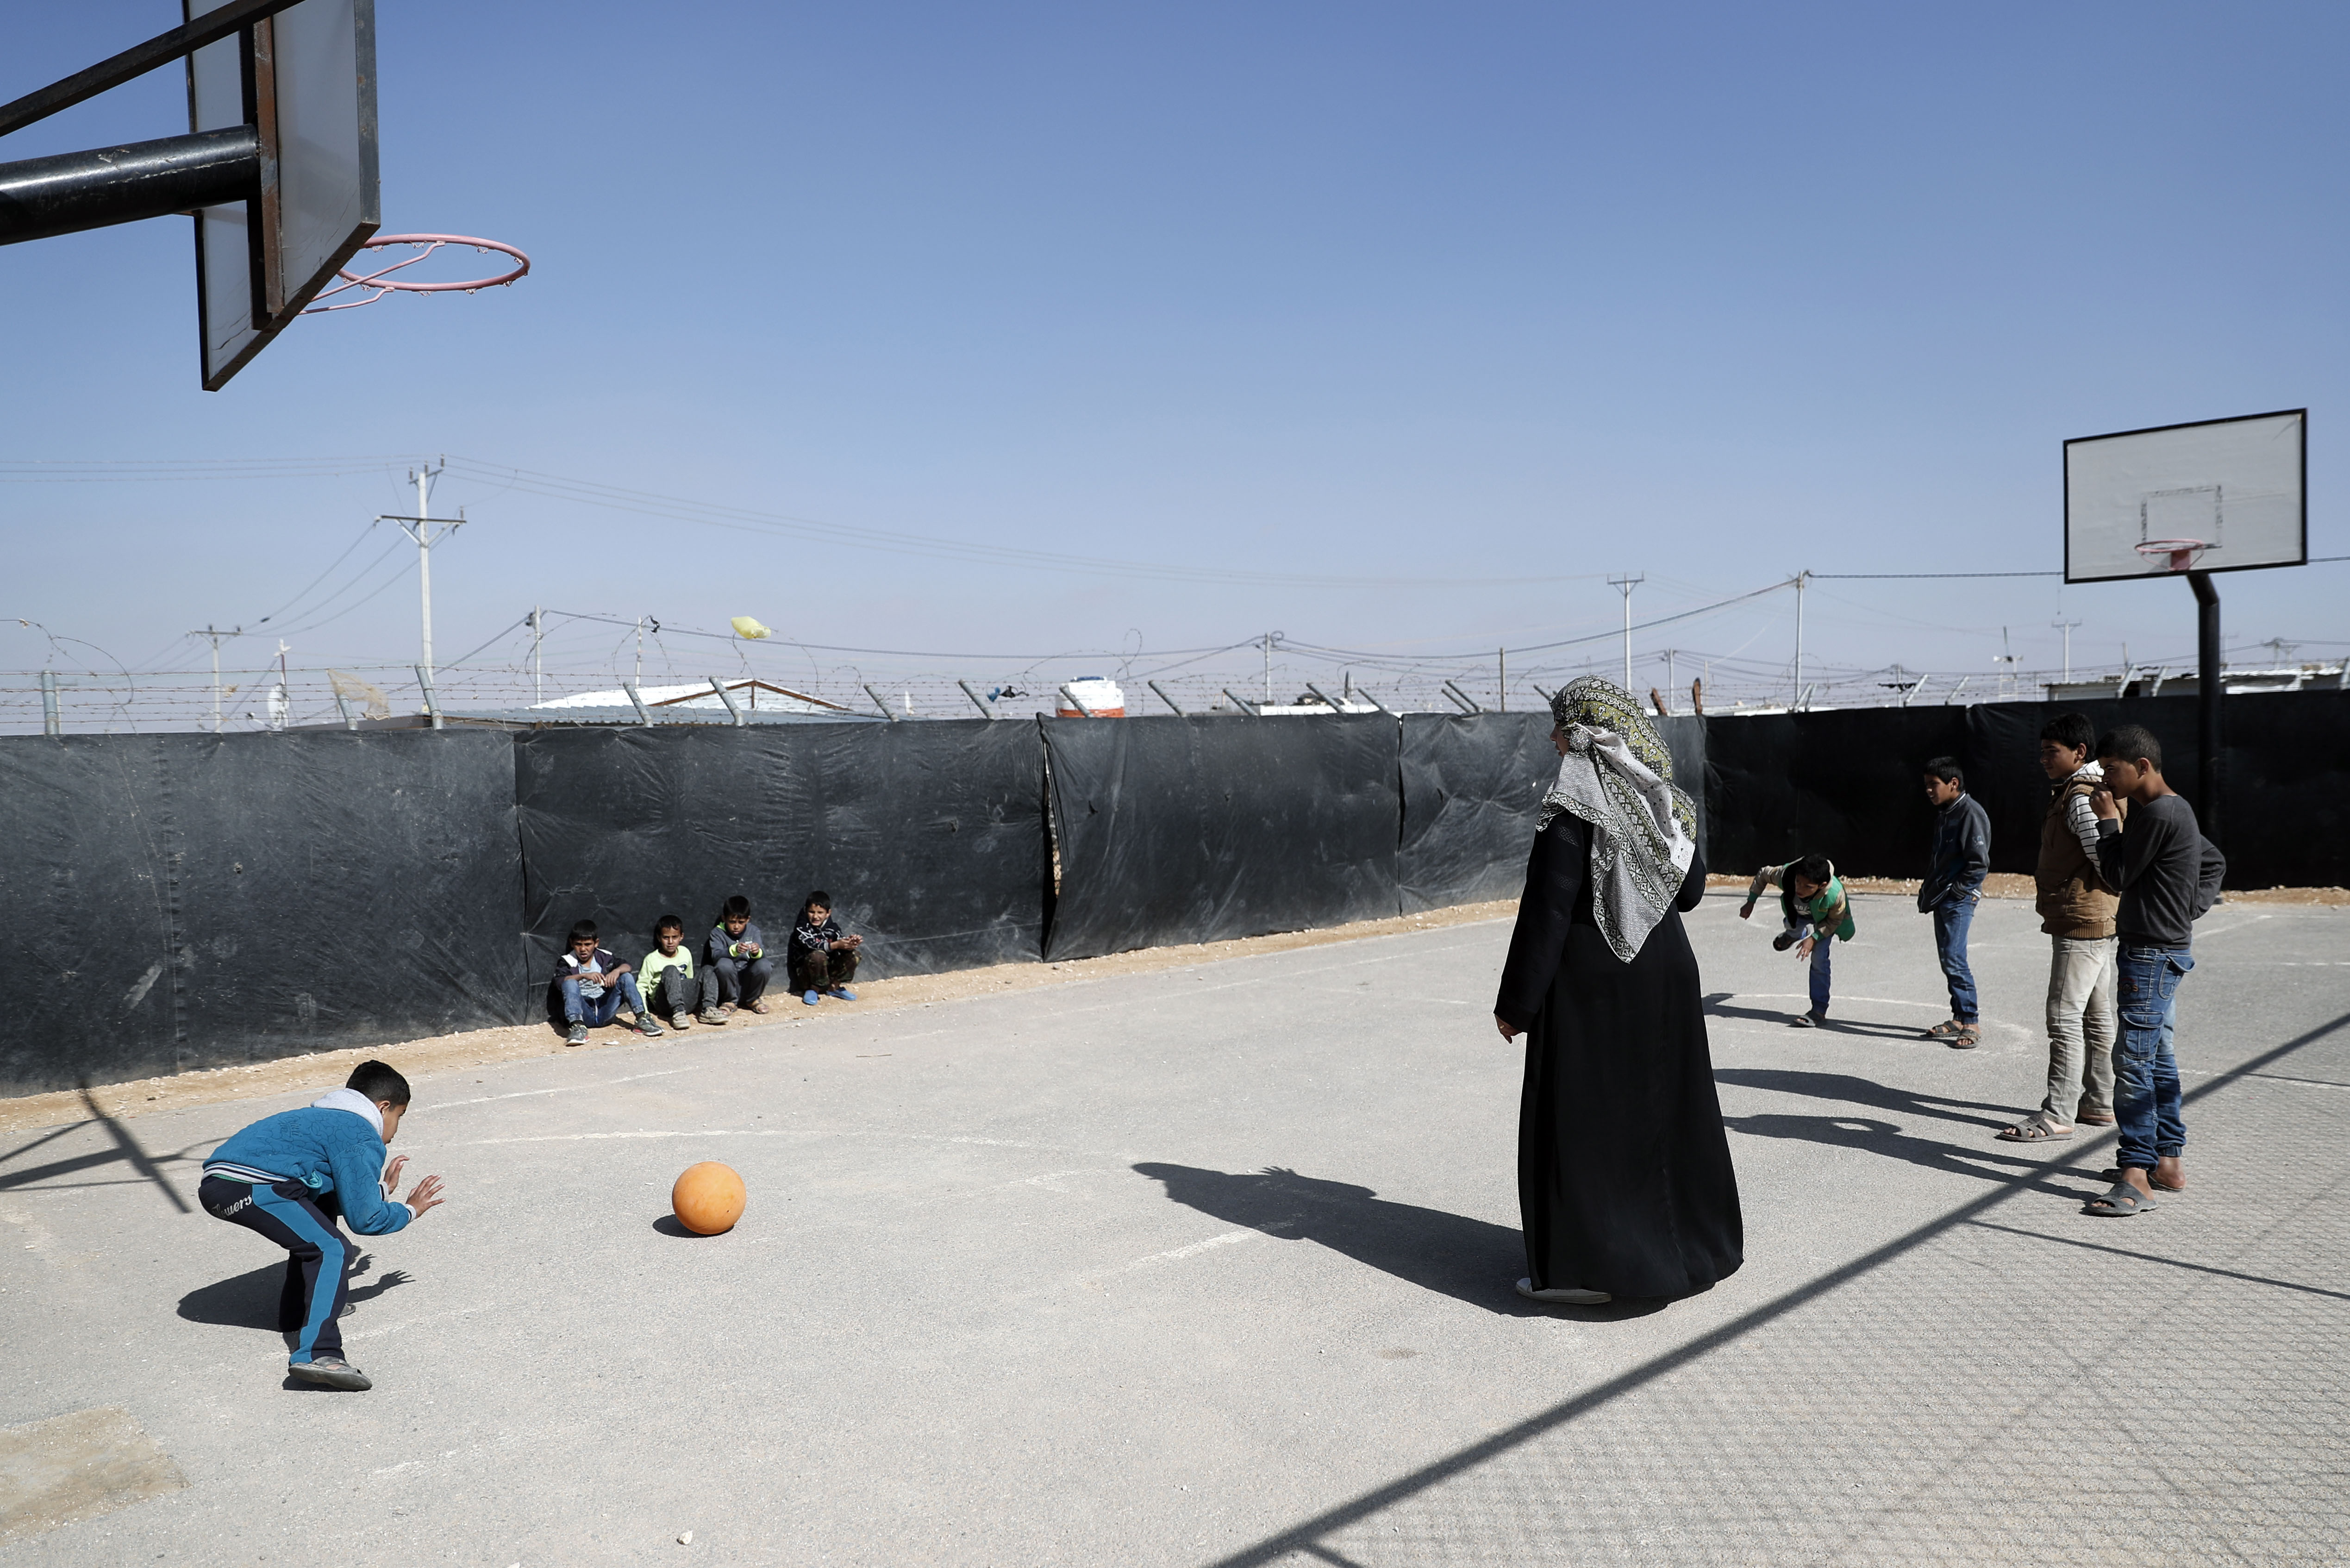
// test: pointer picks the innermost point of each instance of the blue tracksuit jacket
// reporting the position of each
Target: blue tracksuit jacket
(324, 1150)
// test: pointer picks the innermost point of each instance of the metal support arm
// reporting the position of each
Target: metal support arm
(44, 197)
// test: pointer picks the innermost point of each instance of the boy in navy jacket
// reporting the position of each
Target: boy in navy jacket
(1959, 862)
(288, 1176)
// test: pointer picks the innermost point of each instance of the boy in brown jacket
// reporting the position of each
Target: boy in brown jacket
(2076, 910)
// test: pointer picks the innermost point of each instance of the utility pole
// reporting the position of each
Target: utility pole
(1800, 577)
(1626, 585)
(538, 666)
(2008, 658)
(2066, 628)
(1268, 666)
(640, 650)
(1502, 658)
(216, 634)
(420, 528)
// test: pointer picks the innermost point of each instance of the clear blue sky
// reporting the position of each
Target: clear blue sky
(1511, 297)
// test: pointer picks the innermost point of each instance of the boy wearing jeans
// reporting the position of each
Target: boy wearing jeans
(1814, 911)
(2076, 910)
(596, 984)
(2169, 874)
(1953, 887)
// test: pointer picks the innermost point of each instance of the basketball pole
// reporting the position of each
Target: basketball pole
(2209, 685)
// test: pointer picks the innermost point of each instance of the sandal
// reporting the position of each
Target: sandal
(1945, 1029)
(2123, 1200)
(2037, 1128)
(1967, 1037)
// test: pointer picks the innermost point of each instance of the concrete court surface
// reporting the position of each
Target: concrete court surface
(1213, 1265)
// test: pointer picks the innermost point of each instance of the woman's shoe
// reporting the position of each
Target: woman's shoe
(1568, 1296)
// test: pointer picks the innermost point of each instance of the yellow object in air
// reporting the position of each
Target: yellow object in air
(746, 626)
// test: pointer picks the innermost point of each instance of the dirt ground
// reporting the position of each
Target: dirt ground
(476, 1047)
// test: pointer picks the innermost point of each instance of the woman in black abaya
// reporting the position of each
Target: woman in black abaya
(1623, 1176)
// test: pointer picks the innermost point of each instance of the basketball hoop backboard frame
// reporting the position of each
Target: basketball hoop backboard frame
(306, 79)
(2231, 494)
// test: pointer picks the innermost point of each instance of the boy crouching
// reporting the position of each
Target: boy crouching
(287, 1177)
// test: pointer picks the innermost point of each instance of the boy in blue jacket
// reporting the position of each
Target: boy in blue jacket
(288, 1176)
(1956, 867)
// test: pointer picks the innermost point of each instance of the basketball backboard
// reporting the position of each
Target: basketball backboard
(306, 78)
(2219, 495)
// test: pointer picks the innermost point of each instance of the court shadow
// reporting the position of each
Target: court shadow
(250, 1300)
(1852, 1090)
(1883, 1137)
(1468, 1260)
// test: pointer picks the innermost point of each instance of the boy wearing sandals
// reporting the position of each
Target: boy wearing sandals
(1813, 912)
(2076, 909)
(2169, 874)
(1952, 888)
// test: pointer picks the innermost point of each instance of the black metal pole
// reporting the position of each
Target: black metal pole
(69, 192)
(2210, 685)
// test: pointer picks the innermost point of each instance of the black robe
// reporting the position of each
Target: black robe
(1623, 1176)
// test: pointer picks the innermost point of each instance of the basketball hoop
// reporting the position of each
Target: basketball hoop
(383, 282)
(2182, 552)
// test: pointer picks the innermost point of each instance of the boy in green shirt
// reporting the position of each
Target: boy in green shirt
(666, 977)
(1814, 912)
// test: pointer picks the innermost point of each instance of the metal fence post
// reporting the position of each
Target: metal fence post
(728, 698)
(1241, 703)
(985, 710)
(644, 714)
(52, 723)
(431, 703)
(1166, 699)
(877, 702)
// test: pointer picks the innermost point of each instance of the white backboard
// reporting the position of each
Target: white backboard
(2238, 486)
(306, 77)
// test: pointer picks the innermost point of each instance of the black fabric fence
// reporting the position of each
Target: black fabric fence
(186, 901)
(172, 902)
(929, 837)
(1473, 787)
(1847, 784)
(1190, 830)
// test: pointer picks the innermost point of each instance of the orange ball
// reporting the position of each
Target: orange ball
(708, 1198)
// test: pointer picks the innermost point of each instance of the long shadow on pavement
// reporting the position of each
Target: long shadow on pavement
(250, 1300)
(1468, 1259)
(1855, 1091)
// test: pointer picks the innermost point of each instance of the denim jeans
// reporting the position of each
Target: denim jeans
(598, 1011)
(2146, 1074)
(1950, 923)
(1821, 942)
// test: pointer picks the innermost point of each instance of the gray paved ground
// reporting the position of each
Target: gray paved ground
(1014, 1286)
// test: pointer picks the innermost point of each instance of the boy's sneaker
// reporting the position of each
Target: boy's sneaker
(575, 1035)
(680, 1019)
(1807, 1020)
(333, 1371)
(1783, 940)
(649, 1027)
(712, 1017)
(811, 997)
(842, 992)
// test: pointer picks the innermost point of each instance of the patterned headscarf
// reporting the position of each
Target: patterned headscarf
(1617, 776)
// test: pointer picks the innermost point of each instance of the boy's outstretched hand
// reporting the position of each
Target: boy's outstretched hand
(392, 1173)
(1804, 948)
(425, 1194)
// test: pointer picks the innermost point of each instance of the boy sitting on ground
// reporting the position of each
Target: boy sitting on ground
(739, 965)
(289, 1176)
(666, 975)
(822, 961)
(1959, 861)
(2076, 910)
(2169, 874)
(595, 984)
(1813, 912)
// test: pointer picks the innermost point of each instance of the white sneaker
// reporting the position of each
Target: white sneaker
(1567, 1297)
